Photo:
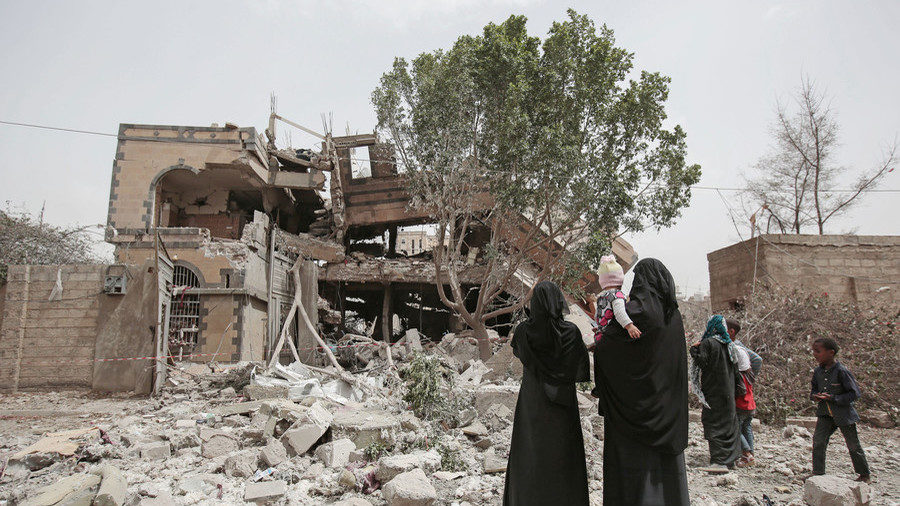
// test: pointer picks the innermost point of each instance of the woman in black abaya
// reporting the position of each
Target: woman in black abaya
(546, 456)
(643, 395)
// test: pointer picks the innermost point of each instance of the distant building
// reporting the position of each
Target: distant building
(850, 267)
(413, 242)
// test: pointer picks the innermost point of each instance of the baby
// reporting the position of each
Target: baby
(611, 301)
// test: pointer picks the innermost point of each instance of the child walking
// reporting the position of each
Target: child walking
(835, 388)
(611, 301)
(749, 363)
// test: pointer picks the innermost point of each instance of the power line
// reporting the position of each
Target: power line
(652, 184)
(29, 125)
(496, 171)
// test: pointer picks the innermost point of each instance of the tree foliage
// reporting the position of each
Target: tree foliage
(504, 128)
(796, 181)
(25, 239)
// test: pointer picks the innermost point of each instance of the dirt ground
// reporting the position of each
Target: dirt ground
(782, 462)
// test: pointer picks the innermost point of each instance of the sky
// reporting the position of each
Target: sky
(92, 65)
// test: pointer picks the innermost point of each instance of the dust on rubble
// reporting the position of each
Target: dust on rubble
(294, 435)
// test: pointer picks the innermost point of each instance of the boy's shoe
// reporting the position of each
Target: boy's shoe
(864, 478)
(743, 462)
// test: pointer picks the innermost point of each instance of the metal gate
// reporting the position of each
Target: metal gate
(184, 313)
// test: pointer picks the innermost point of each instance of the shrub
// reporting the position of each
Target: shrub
(426, 386)
(780, 324)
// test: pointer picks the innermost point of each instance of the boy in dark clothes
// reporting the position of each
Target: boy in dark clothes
(835, 388)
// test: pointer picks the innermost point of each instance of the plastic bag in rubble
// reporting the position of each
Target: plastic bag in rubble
(340, 391)
(306, 388)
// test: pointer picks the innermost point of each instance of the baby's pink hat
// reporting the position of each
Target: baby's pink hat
(610, 272)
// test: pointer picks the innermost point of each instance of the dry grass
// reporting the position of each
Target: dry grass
(781, 325)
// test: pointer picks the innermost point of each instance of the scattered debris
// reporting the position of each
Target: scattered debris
(329, 441)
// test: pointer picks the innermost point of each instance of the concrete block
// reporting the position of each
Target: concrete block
(834, 491)
(364, 427)
(880, 419)
(215, 443)
(299, 440)
(257, 392)
(264, 490)
(393, 465)
(62, 490)
(336, 453)
(156, 451)
(241, 465)
(113, 488)
(412, 488)
(273, 453)
(493, 464)
(809, 422)
(488, 395)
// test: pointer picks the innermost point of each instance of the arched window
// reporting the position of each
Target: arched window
(184, 315)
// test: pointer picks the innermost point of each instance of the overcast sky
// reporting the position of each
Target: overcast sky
(92, 65)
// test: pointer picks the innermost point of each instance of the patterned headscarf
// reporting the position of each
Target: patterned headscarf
(715, 329)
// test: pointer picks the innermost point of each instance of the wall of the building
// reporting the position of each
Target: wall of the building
(126, 327)
(46, 343)
(253, 340)
(852, 268)
(146, 152)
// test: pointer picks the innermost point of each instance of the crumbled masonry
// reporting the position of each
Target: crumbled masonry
(318, 440)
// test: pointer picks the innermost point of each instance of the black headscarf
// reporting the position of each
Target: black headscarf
(642, 383)
(549, 345)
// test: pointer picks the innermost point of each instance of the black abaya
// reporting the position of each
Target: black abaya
(637, 474)
(721, 428)
(546, 455)
(642, 389)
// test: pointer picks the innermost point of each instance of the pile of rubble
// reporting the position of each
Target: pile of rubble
(296, 434)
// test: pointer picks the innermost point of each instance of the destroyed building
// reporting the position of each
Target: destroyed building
(206, 223)
(855, 268)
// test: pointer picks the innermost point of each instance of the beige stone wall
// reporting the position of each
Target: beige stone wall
(220, 329)
(731, 273)
(860, 269)
(225, 321)
(213, 268)
(253, 340)
(146, 152)
(47, 343)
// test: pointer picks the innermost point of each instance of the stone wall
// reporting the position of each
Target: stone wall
(50, 343)
(146, 153)
(860, 269)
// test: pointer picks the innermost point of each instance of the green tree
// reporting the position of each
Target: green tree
(505, 128)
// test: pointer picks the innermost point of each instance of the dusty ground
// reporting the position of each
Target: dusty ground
(191, 479)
